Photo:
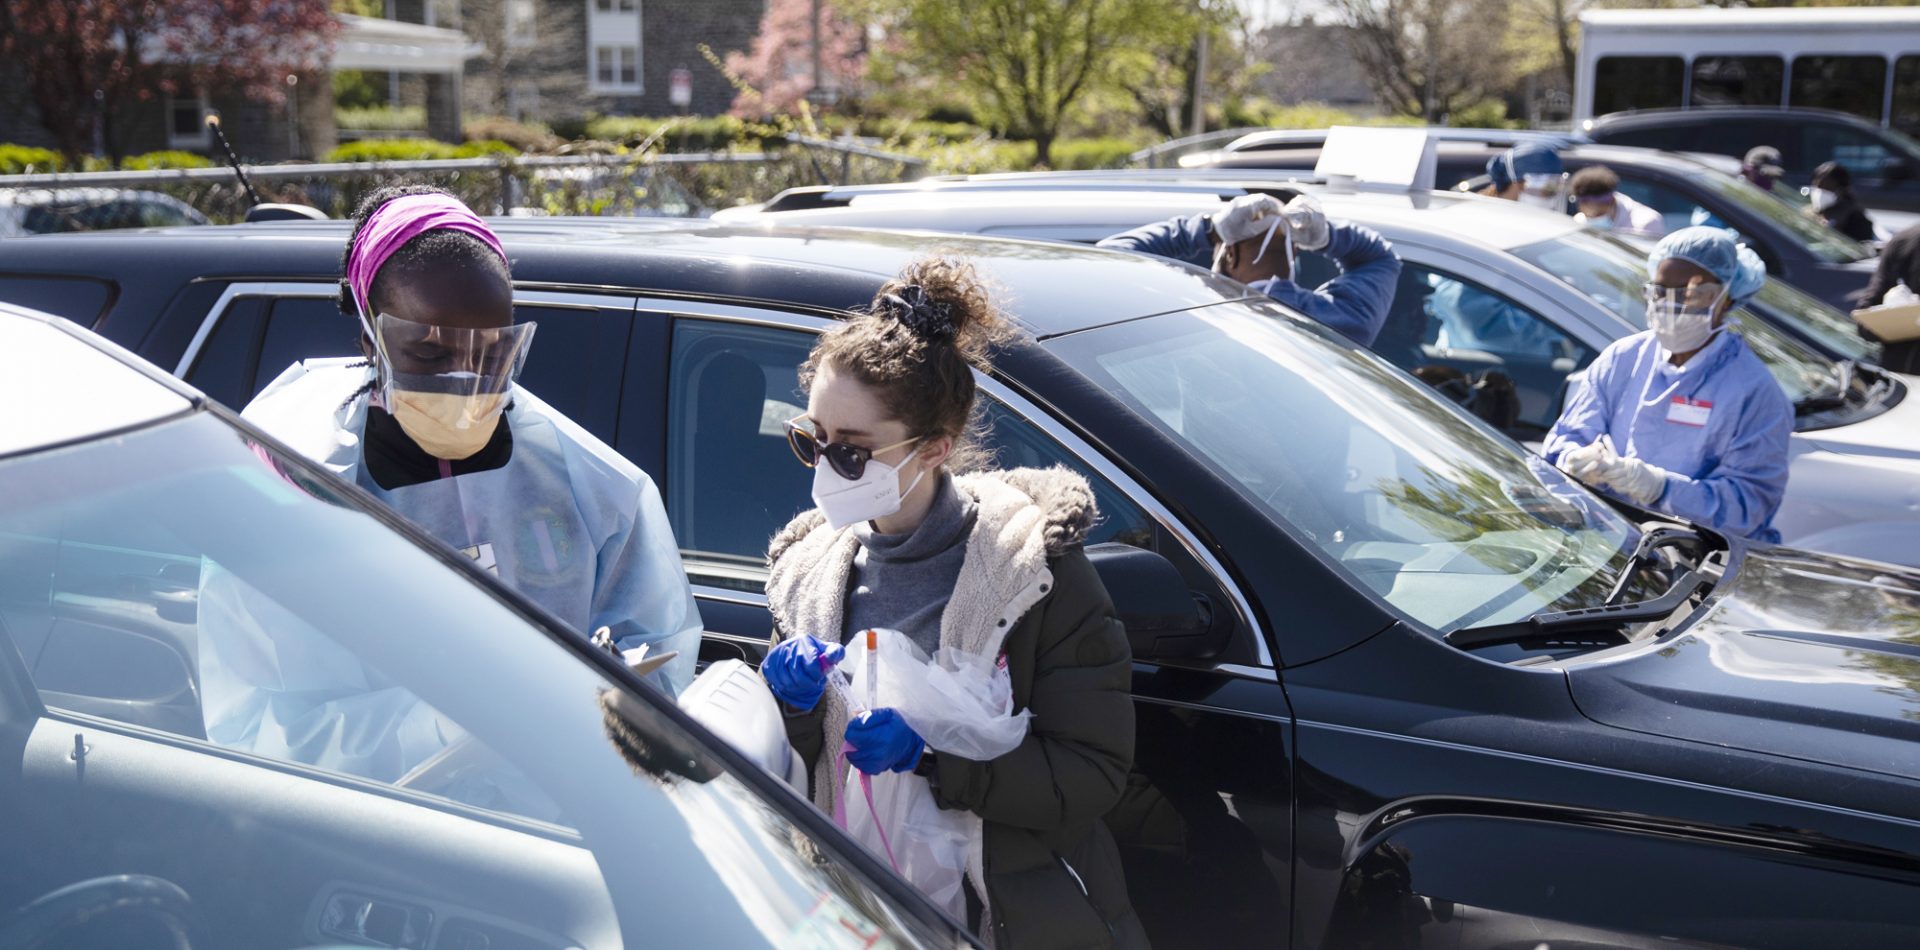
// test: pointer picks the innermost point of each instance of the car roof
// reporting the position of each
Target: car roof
(1052, 287)
(1637, 117)
(1026, 205)
(65, 385)
(1270, 138)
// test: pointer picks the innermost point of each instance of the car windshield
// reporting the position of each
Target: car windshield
(370, 737)
(1838, 332)
(1613, 274)
(1446, 520)
(1825, 243)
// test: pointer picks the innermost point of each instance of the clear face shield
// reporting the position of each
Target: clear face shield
(1681, 318)
(447, 386)
(1544, 191)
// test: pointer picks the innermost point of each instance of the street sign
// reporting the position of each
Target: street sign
(680, 88)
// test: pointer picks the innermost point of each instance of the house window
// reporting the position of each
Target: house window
(187, 122)
(616, 67)
(523, 100)
(616, 6)
(520, 23)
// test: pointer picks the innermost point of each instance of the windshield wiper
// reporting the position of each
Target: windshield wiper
(1555, 624)
(1651, 540)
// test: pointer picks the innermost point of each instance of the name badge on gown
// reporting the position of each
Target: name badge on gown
(1689, 412)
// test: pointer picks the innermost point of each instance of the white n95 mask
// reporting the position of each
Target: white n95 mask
(875, 494)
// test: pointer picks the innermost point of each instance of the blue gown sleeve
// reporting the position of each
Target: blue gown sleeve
(1354, 304)
(1586, 416)
(1742, 493)
(641, 592)
(1188, 239)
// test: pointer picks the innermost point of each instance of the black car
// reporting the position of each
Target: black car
(503, 782)
(1885, 163)
(1397, 682)
(1798, 249)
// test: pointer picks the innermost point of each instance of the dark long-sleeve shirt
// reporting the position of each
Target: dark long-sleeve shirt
(1354, 304)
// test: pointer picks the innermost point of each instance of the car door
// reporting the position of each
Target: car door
(1205, 822)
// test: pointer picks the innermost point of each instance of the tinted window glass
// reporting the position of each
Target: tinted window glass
(79, 299)
(1637, 82)
(304, 328)
(1737, 80)
(1865, 154)
(1677, 210)
(732, 479)
(1906, 95)
(229, 358)
(1471, 329)
(1855, 84)
(575, 361)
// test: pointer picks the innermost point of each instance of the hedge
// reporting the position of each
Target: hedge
(412, 150)
(153, 161)
(23, 159)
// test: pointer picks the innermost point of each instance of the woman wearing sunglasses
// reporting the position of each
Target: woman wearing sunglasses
(989, 563)
(1683, 418)
(432, 423)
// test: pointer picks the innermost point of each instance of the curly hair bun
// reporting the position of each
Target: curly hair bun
(918, 346)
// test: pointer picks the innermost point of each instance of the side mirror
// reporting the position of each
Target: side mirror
(284, 212)
(1164, 617)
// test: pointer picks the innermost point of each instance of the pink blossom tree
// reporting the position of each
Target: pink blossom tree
(778, 71)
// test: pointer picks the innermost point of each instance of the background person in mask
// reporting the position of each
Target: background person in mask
(1596, 193)
(1531, 174)
(1683, 418)
(1831, 200)
(1247, 242)
(432, 425)
(989, 563)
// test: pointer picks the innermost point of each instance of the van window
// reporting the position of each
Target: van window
(1906, 95)
(1855, 84)
(80, 299)
(1737, 81)
(1637, 82)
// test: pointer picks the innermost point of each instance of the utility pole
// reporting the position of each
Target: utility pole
(1198, 123)
(818, 86)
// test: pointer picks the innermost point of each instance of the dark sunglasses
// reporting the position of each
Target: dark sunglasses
(848, 461)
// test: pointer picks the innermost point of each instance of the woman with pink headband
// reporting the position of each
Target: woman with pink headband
(432, 423)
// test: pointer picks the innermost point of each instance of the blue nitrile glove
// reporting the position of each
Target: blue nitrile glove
(796, 669)
(883, 742)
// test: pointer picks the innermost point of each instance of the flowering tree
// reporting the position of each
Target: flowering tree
(778, 71)
(85, 62)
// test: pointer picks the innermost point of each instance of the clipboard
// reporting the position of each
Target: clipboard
(1891, 324)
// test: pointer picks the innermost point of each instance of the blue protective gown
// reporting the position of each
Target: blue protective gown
(1719, 426)
(1473, 319)
(567, 522)
(1354, 304)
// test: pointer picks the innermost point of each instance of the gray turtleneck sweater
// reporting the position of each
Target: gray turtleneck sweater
(903, 581)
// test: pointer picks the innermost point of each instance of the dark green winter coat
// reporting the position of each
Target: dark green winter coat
(1047, 865)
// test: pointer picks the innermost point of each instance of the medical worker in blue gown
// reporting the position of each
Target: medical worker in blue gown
(1683, 418)
(433, 425)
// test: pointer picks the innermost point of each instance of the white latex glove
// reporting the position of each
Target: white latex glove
(1583, 462)
(1635, 479)
(1308, 223)
(1241, 218)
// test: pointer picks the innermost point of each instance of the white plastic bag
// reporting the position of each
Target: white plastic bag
(960, 704)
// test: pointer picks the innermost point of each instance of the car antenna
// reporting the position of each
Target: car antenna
(213, 125)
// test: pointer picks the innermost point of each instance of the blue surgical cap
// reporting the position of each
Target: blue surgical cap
(1715, 251)
(1522, 160)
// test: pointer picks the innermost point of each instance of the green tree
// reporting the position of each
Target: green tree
(1158, 73)
(1028, 63)
(1429, 58)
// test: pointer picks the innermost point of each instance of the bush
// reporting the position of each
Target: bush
(679, 134)
(26, 159)
(382, 119)
(154, 161)
(1491, 114)
(1081, 154)
(400, 150)
(524, 136)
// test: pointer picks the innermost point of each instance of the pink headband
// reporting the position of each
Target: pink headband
(401, 220)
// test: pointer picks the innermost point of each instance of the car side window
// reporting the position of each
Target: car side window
(732, 481)
(1677, 210)
(1864, 154)
(304, 328)
(229, 359)
(1468, 329)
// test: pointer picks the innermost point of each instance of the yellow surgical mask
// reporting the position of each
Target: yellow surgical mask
(447, 425)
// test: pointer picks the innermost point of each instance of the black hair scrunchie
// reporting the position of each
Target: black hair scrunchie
(929, 319)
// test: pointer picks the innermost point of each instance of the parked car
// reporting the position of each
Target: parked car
(562, 803)
(1396, 680)
(1885, 162)
(1855, 452)
(26, 211)
(1797, 248)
